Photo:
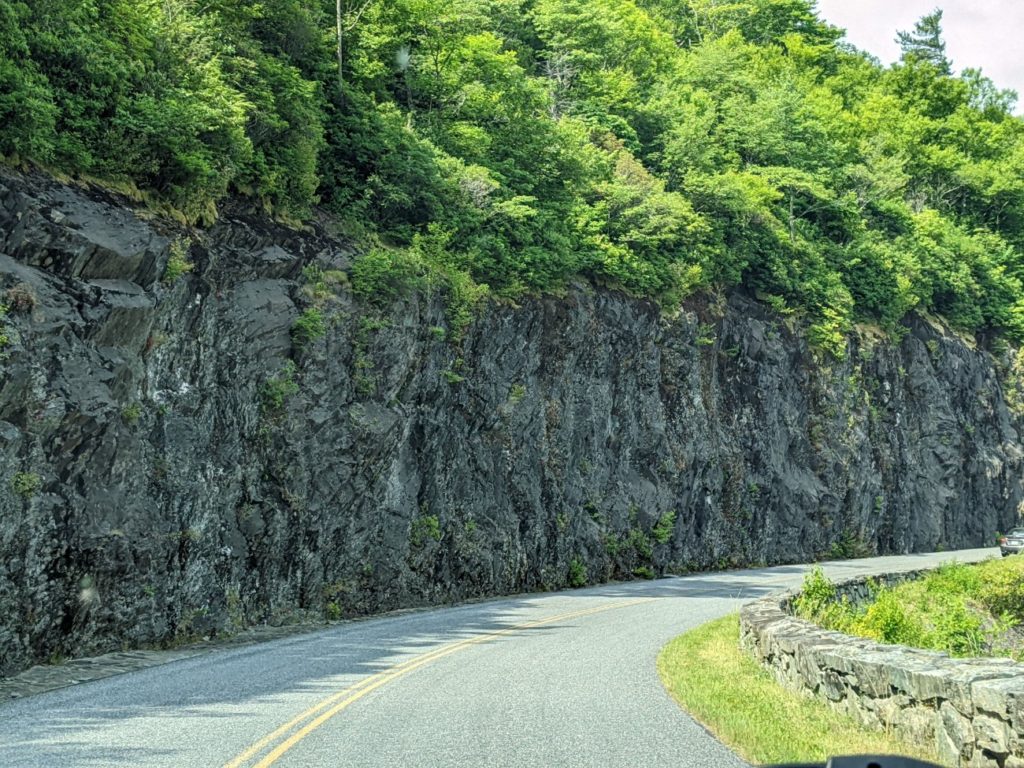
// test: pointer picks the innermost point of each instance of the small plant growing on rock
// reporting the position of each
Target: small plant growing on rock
(577, 572)
(309, 326)
(644, 572)
(828, 334)
(463, 295)
(663, 528)
(130, 414)
(851, 545)
(640, 544)
(21, 298)
(26, 484)
(322, 285)
(612, 545)
(5, 335)
(424, 528)
(382, 275)
(452, 377)
(706, 335)
(178, 262)
(277, 389)
(517, 393)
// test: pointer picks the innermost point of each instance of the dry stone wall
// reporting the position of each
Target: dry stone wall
(972, 710)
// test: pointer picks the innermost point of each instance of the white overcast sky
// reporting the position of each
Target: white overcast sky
(985, 34)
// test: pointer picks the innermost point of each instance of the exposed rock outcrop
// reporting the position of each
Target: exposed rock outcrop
(172, 463)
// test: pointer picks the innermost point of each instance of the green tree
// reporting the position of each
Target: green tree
(925, 42)
(510, 146)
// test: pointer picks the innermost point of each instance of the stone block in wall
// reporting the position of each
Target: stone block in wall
(863, 710)
(839, 657)
(918, 676)
(874, 670)
(960, 677)
(832, 685)
(783, 637)
(1002, 698)
(955, 737)
(810, 658)
(1016, 742)
(888, 709)
(786, 664)
(916, 723)
(982, 760)
(991, 734)
(759, 617)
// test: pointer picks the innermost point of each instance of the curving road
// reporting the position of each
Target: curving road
(564, 679)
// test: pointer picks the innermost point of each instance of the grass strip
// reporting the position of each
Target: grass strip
(739, 701)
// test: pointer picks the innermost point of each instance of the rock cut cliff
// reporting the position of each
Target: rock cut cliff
(174, 462)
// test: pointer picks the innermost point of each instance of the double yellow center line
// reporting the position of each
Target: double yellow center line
(324, 710)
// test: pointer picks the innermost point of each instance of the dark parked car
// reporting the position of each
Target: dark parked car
(1012, 543)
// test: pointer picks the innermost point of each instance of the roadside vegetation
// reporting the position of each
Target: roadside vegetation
(501, 147)
(965, 610)
(743, 706)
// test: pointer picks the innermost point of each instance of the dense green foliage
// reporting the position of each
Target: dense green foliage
(659, 146)
(966, 610)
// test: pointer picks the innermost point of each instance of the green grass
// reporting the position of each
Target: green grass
(965, 610)
(741, 704)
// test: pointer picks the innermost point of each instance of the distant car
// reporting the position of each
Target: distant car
(1012, 543)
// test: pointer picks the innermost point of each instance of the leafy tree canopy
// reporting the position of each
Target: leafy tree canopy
(657, 146)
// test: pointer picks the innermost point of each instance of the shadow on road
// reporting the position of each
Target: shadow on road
(160, 715)
(173, 707)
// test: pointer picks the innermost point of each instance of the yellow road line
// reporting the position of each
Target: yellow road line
(363, 687)
(262, 743)
(303, 732)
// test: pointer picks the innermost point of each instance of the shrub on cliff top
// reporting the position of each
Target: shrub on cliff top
(382, 274)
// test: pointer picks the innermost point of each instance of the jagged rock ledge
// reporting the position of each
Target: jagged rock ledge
(971, 710)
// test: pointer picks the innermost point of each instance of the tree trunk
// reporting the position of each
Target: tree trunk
(792, 220)
(341, 51)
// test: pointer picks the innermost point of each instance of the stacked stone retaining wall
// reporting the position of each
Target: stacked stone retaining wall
(972, 710)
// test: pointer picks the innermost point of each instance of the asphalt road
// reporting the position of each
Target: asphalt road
(561, 679)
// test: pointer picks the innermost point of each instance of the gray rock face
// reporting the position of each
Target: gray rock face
(173, 465)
